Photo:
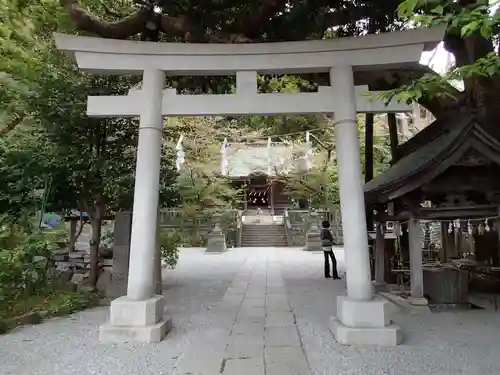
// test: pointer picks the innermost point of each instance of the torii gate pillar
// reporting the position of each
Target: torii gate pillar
(361, 318)
(138, 316)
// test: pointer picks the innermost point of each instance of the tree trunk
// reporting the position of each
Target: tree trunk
(75, 234)
(96, 215)
(393, 135)
(481, 93)
(94, 251)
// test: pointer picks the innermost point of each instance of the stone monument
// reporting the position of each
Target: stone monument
(216, 242)
(313, 235)
(121, 255)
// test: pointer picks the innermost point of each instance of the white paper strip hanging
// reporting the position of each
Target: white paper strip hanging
(308, 155)
(179, 162)
(224, 162)
(269, 157)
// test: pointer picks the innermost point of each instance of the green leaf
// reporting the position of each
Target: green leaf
(407, 7)
(438, 10)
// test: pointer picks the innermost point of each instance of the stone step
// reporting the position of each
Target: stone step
(266, 245)
(262, 237)
(255, 235)
(278, 235)
(265, 232)
(272, 227)
(263, 241)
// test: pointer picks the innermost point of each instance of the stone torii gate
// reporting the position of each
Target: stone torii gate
(361, 318)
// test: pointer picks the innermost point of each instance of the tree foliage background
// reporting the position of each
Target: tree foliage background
(48, 141)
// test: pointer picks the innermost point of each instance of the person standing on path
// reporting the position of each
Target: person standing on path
(327, 245)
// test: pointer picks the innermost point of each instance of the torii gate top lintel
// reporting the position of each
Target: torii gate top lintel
(108, 56)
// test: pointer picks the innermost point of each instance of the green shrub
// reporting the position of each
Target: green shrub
(57, 235)
(26, 263)
(4, 325)
(65, 304)
(169, 247)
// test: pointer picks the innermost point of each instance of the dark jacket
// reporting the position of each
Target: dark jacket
(326, 238)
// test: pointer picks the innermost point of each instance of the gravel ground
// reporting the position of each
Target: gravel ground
(70, 346)
(442, 343)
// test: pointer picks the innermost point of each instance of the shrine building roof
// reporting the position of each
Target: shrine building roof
(245, 160)
(429, 154)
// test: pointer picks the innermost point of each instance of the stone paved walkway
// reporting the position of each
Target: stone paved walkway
(259, 335)
(254, 311)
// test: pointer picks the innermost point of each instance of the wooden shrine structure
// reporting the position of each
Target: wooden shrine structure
(256, 168)
(448, 173)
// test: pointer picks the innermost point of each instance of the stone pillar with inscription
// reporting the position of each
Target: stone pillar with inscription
(379, 282)
(121, 255)
(313, 235)
(216, 242)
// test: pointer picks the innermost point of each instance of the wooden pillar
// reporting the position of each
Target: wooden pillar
(445, 242)
(380, 284)
(416, 266)
(497, 229)
(271, 198)
(369, 120)
(245, 190)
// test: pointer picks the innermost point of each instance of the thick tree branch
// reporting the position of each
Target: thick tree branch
(122, 29)
(11, 125)
(252, 25)
(135, 23)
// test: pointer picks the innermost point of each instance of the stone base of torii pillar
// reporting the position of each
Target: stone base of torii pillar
(365, 323)
(138, 321)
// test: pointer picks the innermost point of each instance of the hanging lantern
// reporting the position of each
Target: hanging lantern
(450, 228)
(469, 228)
(486, 226)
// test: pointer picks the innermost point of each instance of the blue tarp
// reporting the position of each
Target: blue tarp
(51, 219)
